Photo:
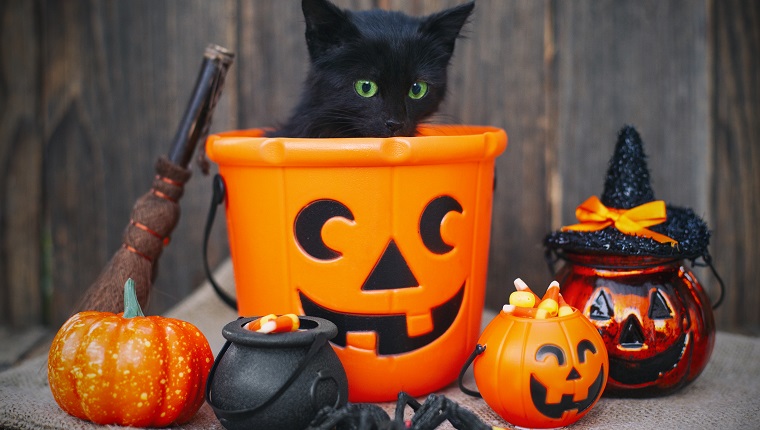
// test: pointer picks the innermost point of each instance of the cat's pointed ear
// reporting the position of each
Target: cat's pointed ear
(327, 26)
(446, 24)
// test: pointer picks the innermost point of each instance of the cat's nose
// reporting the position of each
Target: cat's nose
(393, 125)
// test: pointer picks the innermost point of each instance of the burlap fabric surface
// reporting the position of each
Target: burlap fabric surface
(725, 396)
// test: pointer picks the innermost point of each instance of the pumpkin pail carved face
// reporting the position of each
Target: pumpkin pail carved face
(392, 271)
(652, 333)
(393, 311)
(653, 321)
(386, 238)
(541, 373)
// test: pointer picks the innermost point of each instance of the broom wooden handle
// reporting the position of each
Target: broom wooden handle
(196, 121)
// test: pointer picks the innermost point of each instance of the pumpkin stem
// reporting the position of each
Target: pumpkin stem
(131, 305)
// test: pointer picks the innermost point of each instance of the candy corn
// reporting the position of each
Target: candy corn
(523, 299)
(520, 285)
(525, 303)
(550, 300)
(523, 312)
(274, 324)
(255, 325)
(564, 308)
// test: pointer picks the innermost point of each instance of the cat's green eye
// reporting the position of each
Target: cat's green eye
(365, 88)
(418, 90)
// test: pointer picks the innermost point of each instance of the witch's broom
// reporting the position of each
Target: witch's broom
(156, 213)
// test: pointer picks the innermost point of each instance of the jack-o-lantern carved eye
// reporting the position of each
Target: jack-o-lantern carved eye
(430, 223)
(658, 307)
(601, 309)
(309, 223)
(551, 350)
(585, 346)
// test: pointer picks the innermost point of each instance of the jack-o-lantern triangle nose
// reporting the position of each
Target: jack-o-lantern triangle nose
(391, 271)
(632, 336)
(573, 375)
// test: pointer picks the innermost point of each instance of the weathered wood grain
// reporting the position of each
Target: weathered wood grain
(639, 63)
(498, 78)
(272, 61)
(91, 93)
(117, 76)
(20, 167)
(734, 187)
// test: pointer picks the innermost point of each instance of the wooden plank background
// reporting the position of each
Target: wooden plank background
(91, 93)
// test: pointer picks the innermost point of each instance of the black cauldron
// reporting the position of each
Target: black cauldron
(269, 381)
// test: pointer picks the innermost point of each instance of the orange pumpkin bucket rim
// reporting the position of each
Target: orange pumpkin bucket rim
(433, 144)
(541, 320)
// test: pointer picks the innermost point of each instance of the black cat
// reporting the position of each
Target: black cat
(373, 73)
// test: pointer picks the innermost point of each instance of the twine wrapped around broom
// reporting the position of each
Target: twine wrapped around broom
(157, 212)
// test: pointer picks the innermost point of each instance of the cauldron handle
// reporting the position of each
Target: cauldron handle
(323, 375)
(479, 349)
(319, 341)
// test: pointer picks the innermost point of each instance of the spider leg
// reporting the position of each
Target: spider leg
(372, 417)
(353, 416)
(404, 400)
(366, 422)
(438, 408)
(434, 411)
(328, 417)
(462, 418)
(431, 414)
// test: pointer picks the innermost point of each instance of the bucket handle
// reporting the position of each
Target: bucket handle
(479, 349)
(319, 341)
(707, 258)
(217, 198)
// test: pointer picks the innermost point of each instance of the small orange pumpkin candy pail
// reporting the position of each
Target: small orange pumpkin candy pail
(540, 373)
(385, 237)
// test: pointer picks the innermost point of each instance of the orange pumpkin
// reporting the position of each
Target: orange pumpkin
(129, 369)
(541, 373)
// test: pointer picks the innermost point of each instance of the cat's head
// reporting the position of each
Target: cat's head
(376, 73)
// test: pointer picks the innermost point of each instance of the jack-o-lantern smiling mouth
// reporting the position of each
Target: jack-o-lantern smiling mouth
(648, 370)
(390, 329)
(539, 392)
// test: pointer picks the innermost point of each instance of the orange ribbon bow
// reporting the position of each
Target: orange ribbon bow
(593, 215)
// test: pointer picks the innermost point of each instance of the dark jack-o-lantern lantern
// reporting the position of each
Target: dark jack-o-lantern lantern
(541, 373)
(386, 238)
(624, 269)
(653, 316)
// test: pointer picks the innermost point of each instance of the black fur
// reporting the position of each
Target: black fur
(390, 48)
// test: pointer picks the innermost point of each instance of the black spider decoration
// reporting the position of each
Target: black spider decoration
(427, 416)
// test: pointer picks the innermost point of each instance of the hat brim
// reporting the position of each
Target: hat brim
(682, 225)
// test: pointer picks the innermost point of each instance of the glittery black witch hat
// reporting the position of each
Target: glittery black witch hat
(621, 222)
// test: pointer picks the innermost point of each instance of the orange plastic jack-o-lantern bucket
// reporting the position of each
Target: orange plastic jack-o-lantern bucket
(540, 373)
(385, 237)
